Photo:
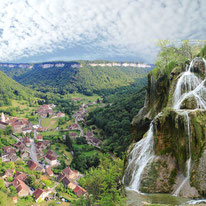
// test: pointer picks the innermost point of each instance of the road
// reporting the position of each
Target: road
(33, 154)
(40, 122)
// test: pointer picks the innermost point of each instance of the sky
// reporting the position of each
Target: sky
(117, 30)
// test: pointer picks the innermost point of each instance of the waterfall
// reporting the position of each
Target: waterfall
(188, 163)
(189, 85)
(141, 154)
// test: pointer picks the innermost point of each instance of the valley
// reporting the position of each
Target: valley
(76, 147)
(49, 133)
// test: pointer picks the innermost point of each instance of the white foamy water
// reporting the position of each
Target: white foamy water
(141, 154)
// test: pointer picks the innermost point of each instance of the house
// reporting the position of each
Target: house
(60, 177)
(51, 160)
(46, 143)
(39, 137)
(26, 130)
(49, 172)
(9, 150)
(21, 176)
(69, 182)
(66, 180)
(15, 199)
(50, 152)
(93, 141)
(40, 194)
(73, 127)
(79, 191)
(40, 168)
(20, 146)
(39, 153)
(13, 157)
(67, 171)
(41, 145)
(76, 99)
(3, 125)
(72, 174)
(73, 135)
(60, 115)
(27, 141)
(32, 165)
(5, 158)
(24, 155)
(8, 173)
(89, 133)
(21, 188)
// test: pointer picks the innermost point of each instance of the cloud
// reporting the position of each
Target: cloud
(108, 28)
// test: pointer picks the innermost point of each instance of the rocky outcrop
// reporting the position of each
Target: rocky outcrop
(179, 135)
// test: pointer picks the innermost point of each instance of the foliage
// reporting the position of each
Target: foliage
(104, 182)
(115, 120)
(169, 52)
(9, 89)
(81, 162)
(86, 79)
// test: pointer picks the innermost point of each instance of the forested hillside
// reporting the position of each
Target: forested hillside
(79, 76)
(9, 89)
(115, 119)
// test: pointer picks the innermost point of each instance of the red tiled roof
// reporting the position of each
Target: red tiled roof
(60, 177)
(21, 176)
(51, 157)
(37, 193)
(67, 171)
(32, 165)
(39, 137)
(79, 191)
(49, 171)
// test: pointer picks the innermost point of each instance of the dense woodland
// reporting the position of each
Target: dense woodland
(115, 119)
(9, 89)
(86, 79)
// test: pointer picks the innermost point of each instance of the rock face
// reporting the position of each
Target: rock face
(179, 135)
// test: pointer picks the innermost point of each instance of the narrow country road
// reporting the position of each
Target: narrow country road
(33, 154)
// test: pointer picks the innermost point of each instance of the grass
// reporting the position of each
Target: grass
(61, 149)
(10, 140)
(64, 126)
(50, 133)
(84, 99)
(85, 149)
(23, 107)
(50, 123)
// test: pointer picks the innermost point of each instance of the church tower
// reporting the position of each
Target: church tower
(3, 117)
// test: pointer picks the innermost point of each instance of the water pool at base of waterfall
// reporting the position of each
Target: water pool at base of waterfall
(136, 199)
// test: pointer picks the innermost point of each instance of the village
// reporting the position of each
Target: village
(36, 152)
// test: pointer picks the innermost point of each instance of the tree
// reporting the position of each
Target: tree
(8, 130)
(104, 182)
(69, 143)
(2, 185)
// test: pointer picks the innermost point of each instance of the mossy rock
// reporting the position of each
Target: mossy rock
(189, 103)
(159, 176)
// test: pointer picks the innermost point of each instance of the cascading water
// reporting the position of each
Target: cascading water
(188, 163)
(189, 85)
(141, 154)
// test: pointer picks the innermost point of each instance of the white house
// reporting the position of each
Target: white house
(51, 160)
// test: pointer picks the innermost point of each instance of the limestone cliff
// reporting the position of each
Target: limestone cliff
(178, 161)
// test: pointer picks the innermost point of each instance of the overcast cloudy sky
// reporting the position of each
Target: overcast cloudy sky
(41, 30)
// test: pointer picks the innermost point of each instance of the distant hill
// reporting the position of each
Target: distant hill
(86, 77)
(10, 89)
